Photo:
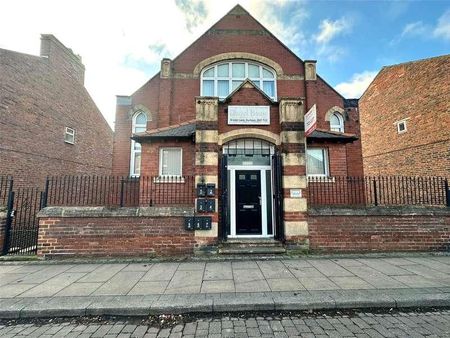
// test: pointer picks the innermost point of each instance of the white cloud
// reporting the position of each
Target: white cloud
(330, 29)
(122, 43)
(356, 85)
(414, 29)
(442, 29)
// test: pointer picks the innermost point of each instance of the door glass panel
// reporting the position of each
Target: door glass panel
(269, 201)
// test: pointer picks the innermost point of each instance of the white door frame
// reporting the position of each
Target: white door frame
(262, 170)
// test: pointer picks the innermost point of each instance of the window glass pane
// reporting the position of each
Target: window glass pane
(235, 84)
(139, 129)
(171, 162)
(253, 71)
(256, 82)
(137, 163)
(208, 88)
(267, 74)
(269, 88)
(222, 70)
(316, 162)
(222, 87)
(334, 120)
(269, 201)
(238, 70)
(136, 146)
(209, 72)
(141, 119)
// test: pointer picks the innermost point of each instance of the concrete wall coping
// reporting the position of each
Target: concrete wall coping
(101, 212)
(379, 211)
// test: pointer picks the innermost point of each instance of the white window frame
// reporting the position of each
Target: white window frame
(337, 127)
(326, 159)
(259, 81)
(69, 132)
(401, 122)
(134, 126)
(161, 150)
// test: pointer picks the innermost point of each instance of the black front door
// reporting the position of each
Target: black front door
(248, 202)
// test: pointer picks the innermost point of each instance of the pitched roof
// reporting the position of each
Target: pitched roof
(333, 136)
(179, 131)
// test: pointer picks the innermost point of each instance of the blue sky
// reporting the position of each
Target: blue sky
(122, 42)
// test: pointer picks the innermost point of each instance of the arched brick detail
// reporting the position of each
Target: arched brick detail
(237, 55)
(333, 110)
(249, 133)
(140, 108)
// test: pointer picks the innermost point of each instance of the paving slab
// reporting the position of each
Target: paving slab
(141, 288)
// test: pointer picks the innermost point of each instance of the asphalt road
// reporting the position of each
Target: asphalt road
(433, 323)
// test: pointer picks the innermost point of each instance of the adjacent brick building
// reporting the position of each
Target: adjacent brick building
(405, 119)
(49, 125)
(229, 110)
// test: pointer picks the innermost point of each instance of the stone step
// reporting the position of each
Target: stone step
(243, 246)
(251, 250)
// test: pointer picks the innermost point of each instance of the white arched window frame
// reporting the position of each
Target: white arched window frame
(222, 78)
(139, 124)
(337, 122)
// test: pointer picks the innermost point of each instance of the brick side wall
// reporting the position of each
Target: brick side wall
(38, 99)
(161, 235)
(379, 233)
(419, 92)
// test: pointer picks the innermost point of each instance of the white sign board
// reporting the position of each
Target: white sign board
(295, 193)
(310, 120)
(239, 115)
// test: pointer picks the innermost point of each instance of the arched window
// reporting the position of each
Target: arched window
(337, 122)
(139, 124)
(222, 78)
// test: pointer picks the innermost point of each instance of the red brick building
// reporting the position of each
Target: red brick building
(49, 125)
(405, 119)
(229, 110)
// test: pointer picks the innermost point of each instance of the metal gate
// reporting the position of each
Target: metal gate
(22, 224)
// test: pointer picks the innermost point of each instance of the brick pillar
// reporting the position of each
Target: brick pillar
(2, 228)
(207, 162)
(293, 141)
(122, 134)
(165, 93)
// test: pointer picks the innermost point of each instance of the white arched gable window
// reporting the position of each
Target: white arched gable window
(222, 78)
(139, 124)
(337, 122)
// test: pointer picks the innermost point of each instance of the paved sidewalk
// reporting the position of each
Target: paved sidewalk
(40, 290)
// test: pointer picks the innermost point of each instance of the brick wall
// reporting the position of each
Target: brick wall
(379, 230)
(103, 232)
(39, 97)
(419, 92)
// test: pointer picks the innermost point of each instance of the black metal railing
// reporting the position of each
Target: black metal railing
(6, 184)
(378, 190)
(118, 191)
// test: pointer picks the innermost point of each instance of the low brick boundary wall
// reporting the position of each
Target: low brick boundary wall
(99, 231)
(379, 229)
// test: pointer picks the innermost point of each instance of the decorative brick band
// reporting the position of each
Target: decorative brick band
(292, 126)
(206, 125)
